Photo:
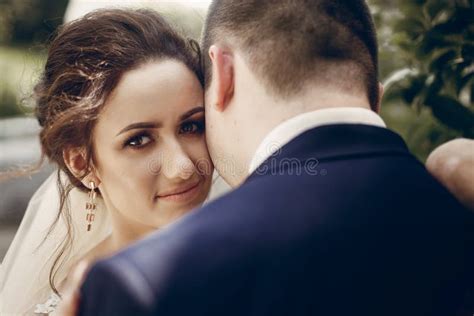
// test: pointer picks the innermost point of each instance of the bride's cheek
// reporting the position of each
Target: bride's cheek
(206, 165)
(200, 150)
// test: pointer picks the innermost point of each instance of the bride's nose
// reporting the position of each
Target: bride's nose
(177, 163)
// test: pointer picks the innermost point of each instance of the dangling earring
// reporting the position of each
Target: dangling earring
(91, 206)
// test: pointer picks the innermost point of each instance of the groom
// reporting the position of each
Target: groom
(331, 214)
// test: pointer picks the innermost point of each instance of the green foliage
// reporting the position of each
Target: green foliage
(20, 69)
(419, 128)
(29, 21)
(11, 106)
(8, 104)
(436, 41)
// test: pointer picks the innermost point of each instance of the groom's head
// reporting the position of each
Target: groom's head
(281, 50)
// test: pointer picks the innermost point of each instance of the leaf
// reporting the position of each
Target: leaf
(452, 113)
(433, 40)
(472, 94)
(435, 87)
(439, 63)
(464, 14)
(413, 89)
(412, 27)
(467, 53)
(463, 82)
(452, 26)
(434, 8)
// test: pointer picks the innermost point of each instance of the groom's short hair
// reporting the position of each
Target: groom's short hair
(289, 43)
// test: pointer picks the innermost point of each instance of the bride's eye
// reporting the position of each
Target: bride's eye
(138, 141)
(193, 127)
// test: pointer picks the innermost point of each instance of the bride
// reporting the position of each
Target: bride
(120, 104)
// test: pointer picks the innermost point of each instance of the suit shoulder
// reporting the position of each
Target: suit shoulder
(114, 285)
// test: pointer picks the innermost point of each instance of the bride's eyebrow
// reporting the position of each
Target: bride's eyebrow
(191, 112)
(140, 125)
(143, 125)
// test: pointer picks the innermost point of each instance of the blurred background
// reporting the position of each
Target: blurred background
(426, 64)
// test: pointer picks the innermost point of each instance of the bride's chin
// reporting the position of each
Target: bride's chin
(171, 213)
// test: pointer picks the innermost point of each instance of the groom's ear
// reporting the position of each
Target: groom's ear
(222, 76)
(381, 93)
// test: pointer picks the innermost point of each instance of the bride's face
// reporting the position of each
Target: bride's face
(150, 151)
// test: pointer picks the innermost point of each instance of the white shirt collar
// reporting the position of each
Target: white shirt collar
(290, 129)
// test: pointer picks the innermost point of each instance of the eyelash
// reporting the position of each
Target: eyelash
(128, 142)
(199, 124)
(200, 127)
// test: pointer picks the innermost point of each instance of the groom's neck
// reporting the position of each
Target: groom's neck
(255, 111)
(265, 113)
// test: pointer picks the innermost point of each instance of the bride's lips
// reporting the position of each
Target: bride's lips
(183, 193)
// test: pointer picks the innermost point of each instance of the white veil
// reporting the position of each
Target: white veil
(24, 273)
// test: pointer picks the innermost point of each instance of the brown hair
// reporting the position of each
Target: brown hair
(290, 42)
(86, 60)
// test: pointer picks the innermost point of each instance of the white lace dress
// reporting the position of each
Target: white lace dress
(49, 307)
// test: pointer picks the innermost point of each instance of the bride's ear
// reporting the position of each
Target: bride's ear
(75, 160)
(222, 76)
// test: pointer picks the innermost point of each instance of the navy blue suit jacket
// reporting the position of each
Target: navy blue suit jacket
(343, 221)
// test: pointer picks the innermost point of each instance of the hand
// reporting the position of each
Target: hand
(70, 302)
(453, 165)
